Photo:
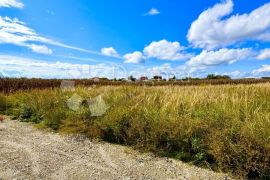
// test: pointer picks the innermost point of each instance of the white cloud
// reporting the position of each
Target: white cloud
(236, 74)
(40, 49)
(13, 31)
(135, 57)
(11, 3)
(15, 66)
(164, 70)
(110, 51)
(152, 12)
(261, 71)
(264, 54)
(165, 50)
(213, 29)
(167, 71)
(222, 56)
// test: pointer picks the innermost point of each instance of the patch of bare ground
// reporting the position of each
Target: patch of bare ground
(30, 153)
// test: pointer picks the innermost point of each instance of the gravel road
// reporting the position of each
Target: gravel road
(30, 153)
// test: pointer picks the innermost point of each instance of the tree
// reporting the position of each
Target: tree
(212, 76)
(131, 78)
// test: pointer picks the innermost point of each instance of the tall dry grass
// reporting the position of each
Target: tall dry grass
(223, 127)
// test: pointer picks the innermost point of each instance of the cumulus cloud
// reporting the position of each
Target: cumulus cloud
(261, 71)
(40, 49)
(135, 57)
(11, 3)
(264, 54)
(15, 66)
(165, 50)
(152, 12)
(236, 74)
(168, 71)
(14, 31)
(164, 70)
(110, 51)
(213, 29)
(222, 56)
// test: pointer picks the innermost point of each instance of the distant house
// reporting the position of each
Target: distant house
(95, 79)
(143, 78)
(157, 77)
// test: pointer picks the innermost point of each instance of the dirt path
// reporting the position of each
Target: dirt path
(29, 153)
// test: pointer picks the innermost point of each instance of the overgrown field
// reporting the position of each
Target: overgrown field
(224, 127)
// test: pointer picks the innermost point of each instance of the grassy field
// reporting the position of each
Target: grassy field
(224, 127)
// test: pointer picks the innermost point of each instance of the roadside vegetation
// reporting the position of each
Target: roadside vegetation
(224, 127)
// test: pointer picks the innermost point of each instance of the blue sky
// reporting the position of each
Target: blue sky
(118, 38)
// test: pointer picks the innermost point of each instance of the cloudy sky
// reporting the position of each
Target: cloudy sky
(118, 38)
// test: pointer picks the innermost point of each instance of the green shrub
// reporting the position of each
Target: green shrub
(53, 119)
(26, 113)
(3, 103)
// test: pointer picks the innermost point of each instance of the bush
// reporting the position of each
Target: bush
(53, 118)
(3, 103)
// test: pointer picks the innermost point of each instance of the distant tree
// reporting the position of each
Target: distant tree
(131, 78)
(172, 79)
(226, 77)
(190, 79)
(212, 76)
